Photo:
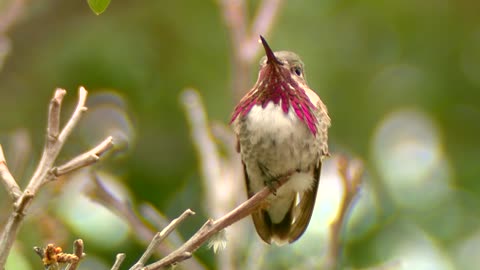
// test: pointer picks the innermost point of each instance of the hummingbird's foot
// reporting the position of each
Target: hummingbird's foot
(271, 180)
(272, 185)
(265, 171)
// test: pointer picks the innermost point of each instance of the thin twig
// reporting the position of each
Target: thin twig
(159, 237)
(84, 159)
(221, 174)
(72, 122)
(143, 232)
(102, 195)
(243, 39)
(118, 261)
(159, 221)
(212, 227)
(266, 14)
(52, 148)
(53, 128)
(351, 175)
(10, 14)
(207, 150)
(7, 179)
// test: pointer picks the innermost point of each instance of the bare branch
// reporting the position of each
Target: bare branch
(82, 98)
(7, 179)
(221, 173)
(351, 175)
(158, 238)
(262, 23)
(53, 127)
(11, 14)
(102, 195)
(85, 159)
(206, 148)
(143, 232)
(159, 221)
(118, 261)
(243, 39)
(52, 148)
(212, 227)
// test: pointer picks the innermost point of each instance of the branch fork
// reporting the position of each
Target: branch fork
(54, 142)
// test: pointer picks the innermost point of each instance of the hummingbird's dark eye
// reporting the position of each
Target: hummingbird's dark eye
(298, 71)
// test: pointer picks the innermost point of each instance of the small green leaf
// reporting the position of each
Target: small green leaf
(98, 6)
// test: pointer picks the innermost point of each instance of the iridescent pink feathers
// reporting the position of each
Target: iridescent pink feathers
(275, 84)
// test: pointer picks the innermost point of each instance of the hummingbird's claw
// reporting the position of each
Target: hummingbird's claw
(271, 180)
(272, 185)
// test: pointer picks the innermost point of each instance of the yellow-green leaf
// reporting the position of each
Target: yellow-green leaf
(98, 6)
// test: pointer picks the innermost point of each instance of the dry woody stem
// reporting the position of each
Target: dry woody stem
(55, 139)
(143, 232)
(7, 179)
(351, 186)
(244, 36)
(159, 237)
(118, 261)
(212, 227)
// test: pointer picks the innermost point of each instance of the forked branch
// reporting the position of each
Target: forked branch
(211, 227)
(55, 140)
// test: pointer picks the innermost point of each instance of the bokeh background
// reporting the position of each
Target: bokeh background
(401, 80)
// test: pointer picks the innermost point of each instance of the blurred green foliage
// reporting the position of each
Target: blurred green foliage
(365, 58)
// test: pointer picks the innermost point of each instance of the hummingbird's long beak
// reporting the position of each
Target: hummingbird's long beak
(268, 51)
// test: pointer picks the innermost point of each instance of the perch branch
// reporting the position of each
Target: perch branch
(159, 237)
(7, 179)
(212, 227)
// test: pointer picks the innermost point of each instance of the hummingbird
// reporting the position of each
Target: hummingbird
(281, 126)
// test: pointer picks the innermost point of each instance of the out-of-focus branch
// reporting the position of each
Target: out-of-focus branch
(351, 173)
(211, 227)
(207, 150)
(102, 195)
(12, 11)
(221, 174)
(143, 232)
(7, 179)
(11, 14)
(159, 237)
(262, 23)
(55, 139)
(243, 39)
